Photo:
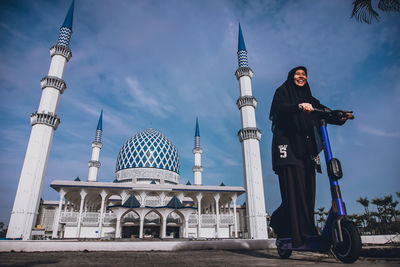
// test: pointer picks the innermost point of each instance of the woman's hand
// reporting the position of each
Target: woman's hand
(307, 107)
(347, 116)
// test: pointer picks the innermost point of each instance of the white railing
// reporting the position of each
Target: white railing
(226, 219)
(90, 218)
(70, 218)
(93, 218)
(208, 219)
(211, 219)
(193, 219)
(109, 218)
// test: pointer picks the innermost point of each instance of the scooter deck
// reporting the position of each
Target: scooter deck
(315, 244)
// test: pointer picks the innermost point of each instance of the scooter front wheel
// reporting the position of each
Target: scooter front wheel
(349, 250)
(283, 252)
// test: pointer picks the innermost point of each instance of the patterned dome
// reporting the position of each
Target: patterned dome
(148, 149)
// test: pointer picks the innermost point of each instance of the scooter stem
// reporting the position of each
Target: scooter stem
(337, 202)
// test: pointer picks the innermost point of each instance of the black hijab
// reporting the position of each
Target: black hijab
(286, 116)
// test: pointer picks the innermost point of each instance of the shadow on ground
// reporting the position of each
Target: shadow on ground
(381, 252)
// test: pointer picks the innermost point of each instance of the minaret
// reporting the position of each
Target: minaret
(94, 163)
(250, 137)
(44, 122)
(197, 168)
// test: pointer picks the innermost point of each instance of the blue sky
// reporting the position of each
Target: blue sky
(162, 63)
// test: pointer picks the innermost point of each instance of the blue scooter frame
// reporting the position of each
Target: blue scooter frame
(339, 234)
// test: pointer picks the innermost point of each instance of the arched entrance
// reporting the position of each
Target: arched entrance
(130, 223)
(152, 224)
(174, 225)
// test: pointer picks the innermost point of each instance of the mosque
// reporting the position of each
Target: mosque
(146, 198)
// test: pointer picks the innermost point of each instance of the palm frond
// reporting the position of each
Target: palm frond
(363, 11)
(389, 5)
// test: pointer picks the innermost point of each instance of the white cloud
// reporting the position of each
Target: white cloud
(377, 132)
(147, 101)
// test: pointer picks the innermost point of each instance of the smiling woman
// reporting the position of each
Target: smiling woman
(295, 149)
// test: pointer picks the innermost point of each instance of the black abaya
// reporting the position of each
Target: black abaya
(295, 216)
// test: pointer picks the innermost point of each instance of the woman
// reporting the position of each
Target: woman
(295, 147)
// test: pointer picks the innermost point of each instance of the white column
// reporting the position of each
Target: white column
(164, 227)
(199, 197)
(197, 168)
(186, 235)
(44, 122)
(58, 214)
(83, 196)
(103, 195)
(250, 137)
(94, 163)
(217, 197)
(66, 205)
(141, 227)
(234, 198)
(118, 228)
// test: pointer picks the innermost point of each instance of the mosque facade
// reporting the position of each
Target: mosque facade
(146, 198)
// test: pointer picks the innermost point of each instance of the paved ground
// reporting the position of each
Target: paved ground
(187, 258)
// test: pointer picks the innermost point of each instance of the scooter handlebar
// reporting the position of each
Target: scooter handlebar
(333, 113)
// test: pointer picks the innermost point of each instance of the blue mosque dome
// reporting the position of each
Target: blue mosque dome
(148, 149)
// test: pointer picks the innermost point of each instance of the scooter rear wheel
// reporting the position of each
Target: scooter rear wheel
(349, 250)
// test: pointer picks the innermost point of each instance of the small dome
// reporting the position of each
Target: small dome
(148, 149)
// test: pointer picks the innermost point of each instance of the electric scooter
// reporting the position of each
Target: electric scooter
(339, 235)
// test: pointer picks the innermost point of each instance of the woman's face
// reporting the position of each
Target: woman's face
(300, 77)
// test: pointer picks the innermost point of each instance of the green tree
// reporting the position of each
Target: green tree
(358, 220)
(386, 213)
(366, 217)
(365, 203)
(3, 230)
(363, 11)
